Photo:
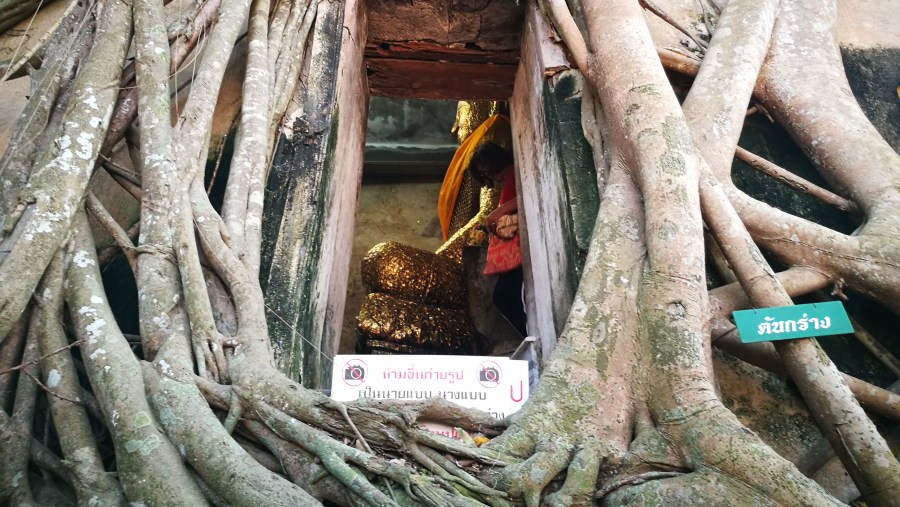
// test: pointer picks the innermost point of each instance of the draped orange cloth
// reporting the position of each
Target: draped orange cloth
(453, 177)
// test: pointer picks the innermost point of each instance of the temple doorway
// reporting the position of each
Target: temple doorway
(416, 283)
(432, 51)
(421, 59)
(409, 143)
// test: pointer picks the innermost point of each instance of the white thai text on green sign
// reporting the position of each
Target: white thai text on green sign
(787, 322)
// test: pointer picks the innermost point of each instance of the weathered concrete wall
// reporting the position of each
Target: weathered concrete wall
(342, 196)
(870, 45)
(874, 74)
(410, 136)
(304, 204)
(543, 209)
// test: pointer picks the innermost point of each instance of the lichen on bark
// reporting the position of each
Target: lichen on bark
(632, 407)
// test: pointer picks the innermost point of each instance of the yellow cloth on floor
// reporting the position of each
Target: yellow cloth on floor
(453, 178)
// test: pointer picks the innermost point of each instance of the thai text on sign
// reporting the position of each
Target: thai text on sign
(797, 321)
(496, 385)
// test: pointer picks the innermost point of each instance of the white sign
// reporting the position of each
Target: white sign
(496, 385)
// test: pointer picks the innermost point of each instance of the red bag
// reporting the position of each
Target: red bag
(505, 254)
(502, 255)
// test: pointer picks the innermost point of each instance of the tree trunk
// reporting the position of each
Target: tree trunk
(237, 306)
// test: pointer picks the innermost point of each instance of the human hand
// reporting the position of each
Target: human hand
(507, 226)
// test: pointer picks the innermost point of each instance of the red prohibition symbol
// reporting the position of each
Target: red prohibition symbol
(355, 372)
(489, 374)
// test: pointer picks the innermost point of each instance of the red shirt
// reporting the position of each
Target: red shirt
(504, 254)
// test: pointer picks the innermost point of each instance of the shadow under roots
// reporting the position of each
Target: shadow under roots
(121, 288)
(773, 143)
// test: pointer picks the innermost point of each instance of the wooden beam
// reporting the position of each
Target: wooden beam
(425, 79)
(421, 50)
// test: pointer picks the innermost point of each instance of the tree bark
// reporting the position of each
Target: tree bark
(629, 408)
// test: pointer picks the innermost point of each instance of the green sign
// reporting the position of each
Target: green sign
(787, 322)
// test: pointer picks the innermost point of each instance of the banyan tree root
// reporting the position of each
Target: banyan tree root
(627, 409)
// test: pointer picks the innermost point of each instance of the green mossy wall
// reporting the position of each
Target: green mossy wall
(294, 214)
(562, 110)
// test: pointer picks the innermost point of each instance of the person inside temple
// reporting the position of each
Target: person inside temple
(492, 165)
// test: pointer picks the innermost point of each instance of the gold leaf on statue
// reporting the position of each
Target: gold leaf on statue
(388, 323)
(452, 248)
(414, 274)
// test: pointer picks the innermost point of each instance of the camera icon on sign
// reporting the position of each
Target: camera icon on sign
(354, 372)
(489, 374)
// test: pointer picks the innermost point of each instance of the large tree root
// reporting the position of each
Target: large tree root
(627, 410)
